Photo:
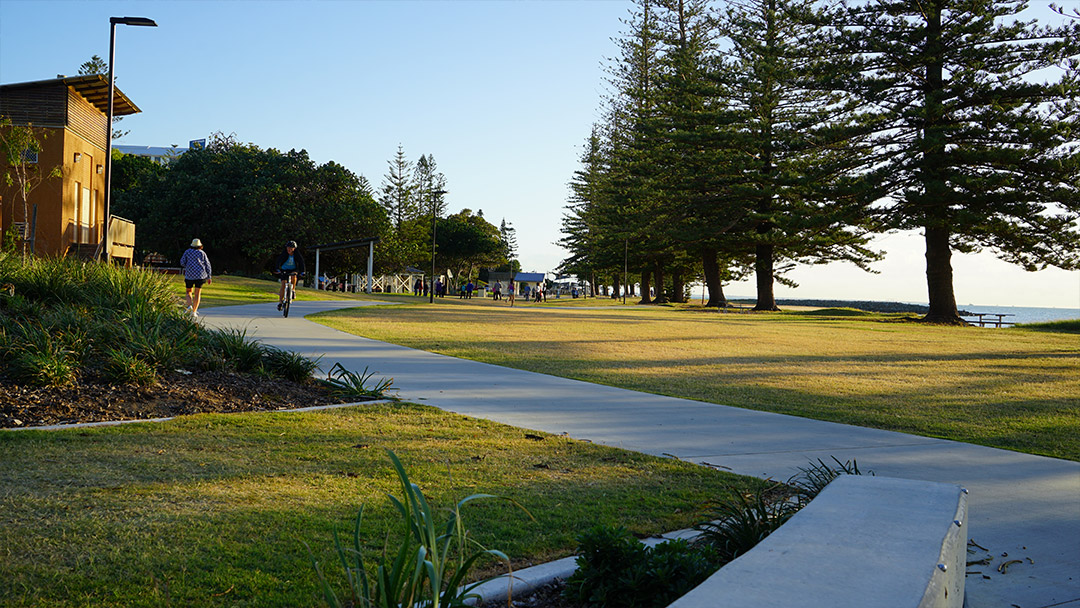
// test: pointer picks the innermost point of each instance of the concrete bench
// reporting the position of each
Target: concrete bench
(864, 541)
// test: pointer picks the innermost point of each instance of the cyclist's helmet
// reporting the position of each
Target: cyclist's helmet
(291, 244)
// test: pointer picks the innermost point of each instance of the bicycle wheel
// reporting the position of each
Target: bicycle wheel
(287, 301)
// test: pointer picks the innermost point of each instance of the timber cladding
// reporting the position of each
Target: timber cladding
(85, 119)
(54, 107)
(40, 106)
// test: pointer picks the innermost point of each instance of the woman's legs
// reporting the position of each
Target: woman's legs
(194, 296)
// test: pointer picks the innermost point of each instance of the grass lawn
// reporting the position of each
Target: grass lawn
(1017, 389)
(227, 290)
(213, 510)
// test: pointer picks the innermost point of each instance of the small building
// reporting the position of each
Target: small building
(532, 279)
(69, 115)
(157, 154)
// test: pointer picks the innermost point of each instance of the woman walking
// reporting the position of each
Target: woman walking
(197, 272)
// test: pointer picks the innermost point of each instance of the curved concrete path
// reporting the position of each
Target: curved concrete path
(1027, 507)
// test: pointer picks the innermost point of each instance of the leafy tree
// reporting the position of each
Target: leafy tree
(798, 175)
(614, 198)
(406, 241)
(466, 242)
(508, 241)
(430, 186)
(976, 149)
(692, 122)
(245, 203)
(398, 193)
(19, 149)
(96, 65)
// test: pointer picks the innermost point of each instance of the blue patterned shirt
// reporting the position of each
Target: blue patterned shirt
(196, 264)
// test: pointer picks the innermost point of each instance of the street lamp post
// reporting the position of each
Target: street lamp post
(434, 200)
(625, 255)
(140, 21)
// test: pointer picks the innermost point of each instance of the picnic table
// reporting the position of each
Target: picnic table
(991, 319)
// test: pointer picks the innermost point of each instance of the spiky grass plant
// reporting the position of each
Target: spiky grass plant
(346, 383)
(124, 368)
(812, 479)
(740, 524)
(430, 566)
(234, 347)
(289, 365)
(38, 356)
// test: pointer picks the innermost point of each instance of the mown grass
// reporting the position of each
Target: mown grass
(213, 510)
(1014, 388)
(227, 290)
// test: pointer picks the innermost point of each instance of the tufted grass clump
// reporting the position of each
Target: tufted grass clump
(65, 321)
(289, 365)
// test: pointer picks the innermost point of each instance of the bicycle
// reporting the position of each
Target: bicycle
(290, 292)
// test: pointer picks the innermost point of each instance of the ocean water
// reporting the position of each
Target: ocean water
(1024, 314)
(1018, 314)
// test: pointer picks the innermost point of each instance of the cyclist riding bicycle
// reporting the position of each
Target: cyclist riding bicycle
(288, 265)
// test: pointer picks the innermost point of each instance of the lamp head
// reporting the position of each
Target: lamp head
(143, 21)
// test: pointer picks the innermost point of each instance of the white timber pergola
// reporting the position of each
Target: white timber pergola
(370, 242)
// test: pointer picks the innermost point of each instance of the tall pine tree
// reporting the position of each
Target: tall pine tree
(977, 149)
(804, 200)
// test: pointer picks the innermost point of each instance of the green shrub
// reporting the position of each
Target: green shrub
(124, 368)
(19, 305)
(43, 369)
(615, 570)
(1068, 326)
(61, 318)
(289, 365)
(37, 356)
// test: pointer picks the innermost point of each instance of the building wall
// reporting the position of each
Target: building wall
(44, 195)
(71, 208)
(83, 224)
(85, 119)
(59, 222)
(44, 106)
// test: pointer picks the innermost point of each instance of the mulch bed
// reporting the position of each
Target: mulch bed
(546, 596)
(175, 394)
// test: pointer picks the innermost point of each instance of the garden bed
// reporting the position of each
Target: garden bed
(175, 393)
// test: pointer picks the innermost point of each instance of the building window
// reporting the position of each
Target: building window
(30, 156)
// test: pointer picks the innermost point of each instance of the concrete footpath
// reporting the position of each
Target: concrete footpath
(1021, 507)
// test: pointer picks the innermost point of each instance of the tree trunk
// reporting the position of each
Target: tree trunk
(712, 279)
(658, 274)
(616, 287)
(645, 298)
(763, 266)
(677, 287)
(939, 279)
(939, 276)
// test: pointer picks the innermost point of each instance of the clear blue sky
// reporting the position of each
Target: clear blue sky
(502, 93)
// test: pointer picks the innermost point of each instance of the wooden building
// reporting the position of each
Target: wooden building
(68, 116)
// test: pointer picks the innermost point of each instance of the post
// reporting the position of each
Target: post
(317, 275)
(626, 253)
(370, 265)
(431, 287)
(108, 143)
(139, 21)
